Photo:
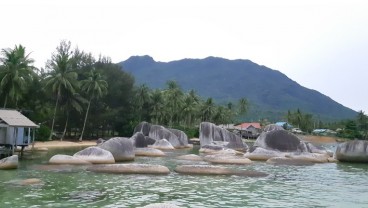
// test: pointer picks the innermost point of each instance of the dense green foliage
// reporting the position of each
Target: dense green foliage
(269, 92)
(77, 96)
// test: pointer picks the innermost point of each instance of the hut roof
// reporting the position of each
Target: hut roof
(247, 125)
(15, 119)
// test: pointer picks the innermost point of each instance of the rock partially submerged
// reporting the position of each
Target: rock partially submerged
(215, 170)
(310, 157)
(95, 155)
(227, 159)
(280, 140)
(177, 138)
(191, 157)
(262, 154)
(159, 133)
(162, 144)
(9, 163)
(182, 137)
(149, 152)
(27, 182)
(30, 181)
(139, 140)
(210, 133)
(67, 159)
(288, 161)
(130, 169)
(121, 148)
(161, 205)
(352, 151)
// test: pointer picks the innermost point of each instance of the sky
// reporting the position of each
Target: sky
(321, 44)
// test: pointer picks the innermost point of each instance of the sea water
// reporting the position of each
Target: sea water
(319, 185)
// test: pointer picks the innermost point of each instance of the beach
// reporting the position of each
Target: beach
(63, 144)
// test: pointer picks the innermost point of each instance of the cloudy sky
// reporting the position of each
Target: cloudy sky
(321, 44)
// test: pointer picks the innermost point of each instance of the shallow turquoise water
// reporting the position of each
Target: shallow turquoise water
(320, 185)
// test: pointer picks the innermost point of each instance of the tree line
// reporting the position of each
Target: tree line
(78, 96)
(352, 128)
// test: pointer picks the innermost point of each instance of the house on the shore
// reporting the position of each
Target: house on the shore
(15, 130)
(249, 130)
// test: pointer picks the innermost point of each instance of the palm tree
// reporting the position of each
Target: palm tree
(62, 78)
(142, 98)
(208, 110)
(95, 87)
(71, 101)
(173, 100)
(243, 106)
(362, 121)
(157, 105)
(189, 109)
(16, 72)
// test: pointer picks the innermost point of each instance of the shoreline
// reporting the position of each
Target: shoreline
(62, 144)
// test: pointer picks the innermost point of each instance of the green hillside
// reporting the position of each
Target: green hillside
(270, 92)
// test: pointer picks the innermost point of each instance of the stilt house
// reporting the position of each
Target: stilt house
(15, 130)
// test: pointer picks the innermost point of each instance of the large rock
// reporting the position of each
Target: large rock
(272, 127)
(182, 137)
(215, 170)
(149, 152)
(67, 159)
(9, 163)
(139, 140)
(280, 140)
(159, 132)
(319, 150)
(210, 133)
(352, 151)
(130, 169)
(262, 154)
(95, 155)
(121, 148)
(143, 127)
(162, 144)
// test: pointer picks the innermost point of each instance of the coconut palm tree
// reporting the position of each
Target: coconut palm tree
(69, 102)
(173, 100)
(243, 105)
(62, 78)
(95, 87)
(15, 73)
(142, 98)
(157, 105)
(208, 110)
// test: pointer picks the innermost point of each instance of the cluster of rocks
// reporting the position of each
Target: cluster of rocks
(215, 138)
(147, 140)
(218, 146)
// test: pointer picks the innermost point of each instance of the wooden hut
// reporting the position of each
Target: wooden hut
(15, 130)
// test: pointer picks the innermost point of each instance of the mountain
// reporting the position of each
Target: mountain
(270, 92)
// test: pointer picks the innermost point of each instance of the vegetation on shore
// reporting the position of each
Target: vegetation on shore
(77, 96)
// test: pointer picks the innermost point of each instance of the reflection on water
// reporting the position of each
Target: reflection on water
(320, 185)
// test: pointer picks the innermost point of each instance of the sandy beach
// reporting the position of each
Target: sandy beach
(318, 139)
(63, 144)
